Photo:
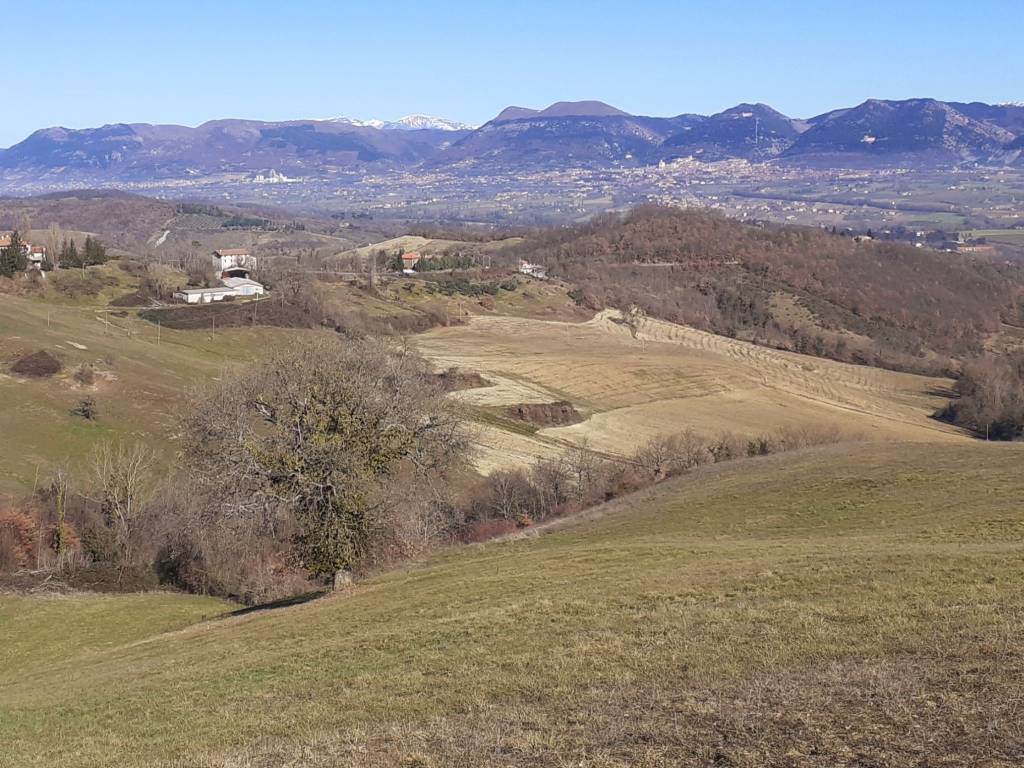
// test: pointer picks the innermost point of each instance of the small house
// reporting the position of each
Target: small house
(36, 256)
(533, 270)
(410, 260)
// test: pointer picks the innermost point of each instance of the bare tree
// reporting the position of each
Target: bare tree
(54, 239)
(122, 477)
(323, 429)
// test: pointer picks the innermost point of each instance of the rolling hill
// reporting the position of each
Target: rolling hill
(842, 606)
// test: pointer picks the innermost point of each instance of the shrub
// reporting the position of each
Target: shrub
(39, 364)
(17, 540)
(84, 375)
(86, 408)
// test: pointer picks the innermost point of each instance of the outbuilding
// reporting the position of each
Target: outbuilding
(204, 295)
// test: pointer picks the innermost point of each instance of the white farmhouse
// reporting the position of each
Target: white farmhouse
(233, 262)
(533, 270)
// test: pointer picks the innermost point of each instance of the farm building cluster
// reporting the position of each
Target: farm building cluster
(233, 267)
(34, 254)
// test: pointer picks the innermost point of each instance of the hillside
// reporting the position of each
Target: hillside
(139, 151)
(141, 377)
(899, 131)
(798, 288)
(751, 131)
(849, 606)
(635, 382)
(145, 225)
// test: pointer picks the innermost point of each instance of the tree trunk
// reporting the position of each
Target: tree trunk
(342, 579)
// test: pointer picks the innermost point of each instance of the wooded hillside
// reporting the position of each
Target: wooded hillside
(794, 287)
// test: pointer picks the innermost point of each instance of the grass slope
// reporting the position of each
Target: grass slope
(139, 386)
(849, 606)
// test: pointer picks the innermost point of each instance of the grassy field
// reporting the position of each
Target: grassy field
(850, 606)
(662, 378)
(995, 234)
(142, 376)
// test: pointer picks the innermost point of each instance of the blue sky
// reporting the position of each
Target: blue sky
(86, 64)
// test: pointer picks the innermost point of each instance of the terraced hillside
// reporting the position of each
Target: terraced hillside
(848, 606)
(646, 377)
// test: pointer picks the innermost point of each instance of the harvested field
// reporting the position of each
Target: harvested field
(634, 382)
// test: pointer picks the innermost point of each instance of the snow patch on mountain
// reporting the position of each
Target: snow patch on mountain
(407, 123)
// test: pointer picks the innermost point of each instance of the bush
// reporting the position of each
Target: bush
(39, 364)
(87, 409)
(17, 540)
(84, 375)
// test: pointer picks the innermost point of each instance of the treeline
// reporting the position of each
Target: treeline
(581, 478)
(718, 274)
(990, 398)
(93, 253)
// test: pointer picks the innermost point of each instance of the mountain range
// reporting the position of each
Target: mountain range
(584, 134)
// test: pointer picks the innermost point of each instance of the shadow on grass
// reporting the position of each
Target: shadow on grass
(284, 602)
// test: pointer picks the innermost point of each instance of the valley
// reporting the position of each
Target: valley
(475, 385)
(660, 378)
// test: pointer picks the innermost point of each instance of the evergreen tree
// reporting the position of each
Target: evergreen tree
(93, 252)
(13, 258)
(69, 258)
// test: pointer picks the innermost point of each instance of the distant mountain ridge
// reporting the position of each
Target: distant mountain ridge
(407, 123)
(585, 134)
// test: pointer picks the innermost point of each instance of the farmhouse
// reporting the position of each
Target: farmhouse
(35, 254)
(233, 262)
(533, 270)
(410, 260)
(233, 265)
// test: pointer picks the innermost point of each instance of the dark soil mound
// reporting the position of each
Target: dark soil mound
(558, 414)
(39, 364)
(455, 379)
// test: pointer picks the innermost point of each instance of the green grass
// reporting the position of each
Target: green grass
(141, 381)
(996, 234)
(845, 606)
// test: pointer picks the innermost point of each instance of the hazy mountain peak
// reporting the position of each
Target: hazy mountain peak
(581, 109)
(515, 113)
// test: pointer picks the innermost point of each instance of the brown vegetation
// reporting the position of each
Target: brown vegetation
(717, 274)
(456, 379)
(558, 414)
(990, 399)
(39, 364)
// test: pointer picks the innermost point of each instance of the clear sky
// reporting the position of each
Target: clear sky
(81, 64)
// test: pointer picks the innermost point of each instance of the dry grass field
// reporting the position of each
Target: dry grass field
(843, 607)
(657, 377)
